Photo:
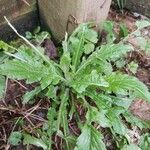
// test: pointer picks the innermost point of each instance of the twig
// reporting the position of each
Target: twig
(37, 117)
(17, 104)
(21, 85)
(26, 114)
(7, 109)
(73, 130)
(33, 108)
(29, 121)
(26, 2)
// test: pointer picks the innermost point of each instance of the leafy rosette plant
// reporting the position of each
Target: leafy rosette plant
(83, 75)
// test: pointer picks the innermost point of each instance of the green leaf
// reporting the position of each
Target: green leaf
(30, 95)
(50, 76)
(94, 79)
(51, 126)
(3, 45)
(26, 54)
(142, 43)
(108, 27)
(52, 92)
(2, 86)
(91, 35)
(131, 147)
(29, 35)
(62, 108)
(147, 48)
(133, 67)
(115, 119)
(121, 4)
(71, 141)
(90, 139)
(111, 51)
(93, 115)
(65, 60)
(123, 30)
(40, 37)
(120, 63)
(88, 48)
(21, 70)
(77, 48)
(145, 142)
(118, 125)
(80, 37)
(123, 82)
(103, 53)
(3, 57)
(135, 121)
(142, 23)
(102, 101)
(62, 120)
(28, 139)
(46, 80)
(15, 138)
(122, 102)
(30, 67)
(37, 30)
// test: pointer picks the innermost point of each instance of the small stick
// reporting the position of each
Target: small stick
(21, 85)
(26, 2)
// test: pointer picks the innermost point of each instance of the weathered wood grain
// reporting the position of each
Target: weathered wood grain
(55, 13)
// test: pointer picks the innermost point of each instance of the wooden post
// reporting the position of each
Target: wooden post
(23, 16)
(55, 14)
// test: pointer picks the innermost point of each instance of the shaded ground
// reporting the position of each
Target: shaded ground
(14, 116)
(33, 116)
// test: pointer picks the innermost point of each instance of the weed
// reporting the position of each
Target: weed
(121, 4)
(83, 75)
